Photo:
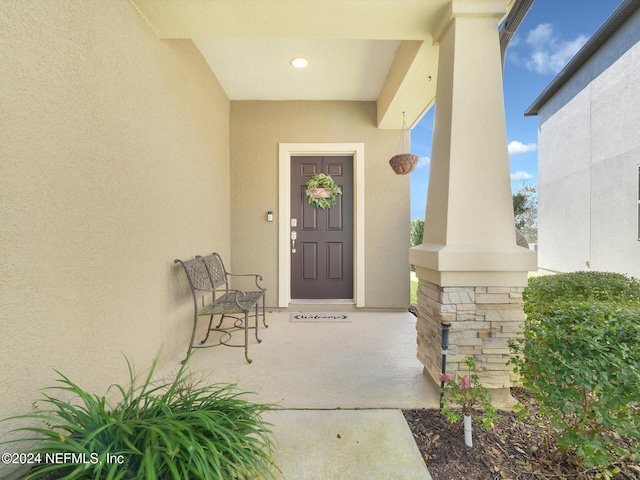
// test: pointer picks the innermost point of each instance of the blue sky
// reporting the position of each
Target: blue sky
(550, 35)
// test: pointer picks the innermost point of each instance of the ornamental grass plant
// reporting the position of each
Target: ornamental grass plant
(580, 357)
(181, 428)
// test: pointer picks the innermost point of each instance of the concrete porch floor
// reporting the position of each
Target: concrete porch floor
(339, 390)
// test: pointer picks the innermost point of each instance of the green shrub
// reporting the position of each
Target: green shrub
(467, 393)
(547, 291)
(580, 356)
(177, 429)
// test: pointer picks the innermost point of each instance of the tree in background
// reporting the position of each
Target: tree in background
(525, 209)
(417, 231)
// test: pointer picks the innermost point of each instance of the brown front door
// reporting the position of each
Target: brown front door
(322, 253)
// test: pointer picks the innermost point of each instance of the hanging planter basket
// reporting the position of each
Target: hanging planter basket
(403, 163)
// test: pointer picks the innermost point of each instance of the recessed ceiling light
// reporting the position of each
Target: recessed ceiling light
(299, 62)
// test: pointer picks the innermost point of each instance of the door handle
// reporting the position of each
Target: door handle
(294, 236)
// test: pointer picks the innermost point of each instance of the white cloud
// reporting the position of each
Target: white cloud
(548, 53)
(423, 162)
(516, 147)
(540, 36)
(520, 175)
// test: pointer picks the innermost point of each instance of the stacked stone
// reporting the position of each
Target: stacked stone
(483, 320)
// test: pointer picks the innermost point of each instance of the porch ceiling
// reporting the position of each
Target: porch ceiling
(357, 49)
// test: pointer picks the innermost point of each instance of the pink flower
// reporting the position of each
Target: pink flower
(465, 382)
(446, 378)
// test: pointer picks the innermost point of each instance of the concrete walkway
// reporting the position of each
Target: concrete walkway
(339, 390)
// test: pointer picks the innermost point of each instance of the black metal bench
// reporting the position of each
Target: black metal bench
(209, 283)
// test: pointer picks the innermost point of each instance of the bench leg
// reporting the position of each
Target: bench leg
(193, 334)
(257, 323)
(264, 318)
(246, 336)
(209, 330)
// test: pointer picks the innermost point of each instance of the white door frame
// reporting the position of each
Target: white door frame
(286, 151)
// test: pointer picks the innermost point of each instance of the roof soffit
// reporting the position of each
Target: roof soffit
(371, 31)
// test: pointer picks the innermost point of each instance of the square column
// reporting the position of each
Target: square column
(483, 320)
(470, 268)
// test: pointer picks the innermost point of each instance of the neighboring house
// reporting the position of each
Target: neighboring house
(589, 154)
(134, 133)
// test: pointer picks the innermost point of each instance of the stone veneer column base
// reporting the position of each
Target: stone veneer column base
(483, 320)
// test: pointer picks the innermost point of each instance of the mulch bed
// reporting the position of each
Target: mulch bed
(513, 449)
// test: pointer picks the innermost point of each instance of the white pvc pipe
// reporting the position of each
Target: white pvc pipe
(467, 431)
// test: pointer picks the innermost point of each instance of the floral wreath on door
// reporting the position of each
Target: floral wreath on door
(321, 191)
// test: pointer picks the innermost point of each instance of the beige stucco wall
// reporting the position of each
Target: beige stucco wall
(257, 127)
(115, 161)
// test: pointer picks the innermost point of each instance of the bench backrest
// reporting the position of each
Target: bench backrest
(215, 267)
(198, 276)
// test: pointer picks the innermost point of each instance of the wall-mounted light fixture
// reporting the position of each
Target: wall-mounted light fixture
(269, 216)
(299, 62)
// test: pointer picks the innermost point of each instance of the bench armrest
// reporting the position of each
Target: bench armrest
(255, 275)
(220, 290)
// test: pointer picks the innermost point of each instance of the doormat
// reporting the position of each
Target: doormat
(320, 317)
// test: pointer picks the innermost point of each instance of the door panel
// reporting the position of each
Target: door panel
(334, 261)
(310, 261)
(322, 264)
(309, 215)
